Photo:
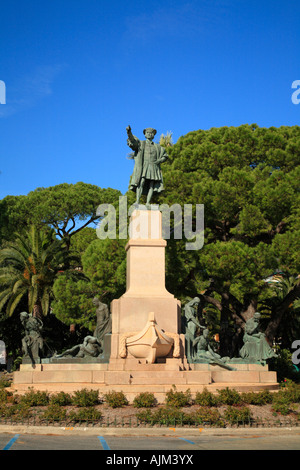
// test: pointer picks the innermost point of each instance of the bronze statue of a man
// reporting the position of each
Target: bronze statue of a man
(32, 341)
(147, 176)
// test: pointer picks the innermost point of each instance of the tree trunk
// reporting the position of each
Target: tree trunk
(231, 309)
(249, 308)
(37, 311)
(280, 311)
(225, 336)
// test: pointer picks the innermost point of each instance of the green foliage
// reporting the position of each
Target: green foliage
(284, 400)
(6, 411)
(232, 397)
(207, 413)
(208, 416)
(18, 411)
(228, 396)
(281, 407)
(144, 400)
(206, 398)
(178, 399)
(104, 267)
(54, 412)
(85, 397)
(284, 366)
(4, 382)
(291, 390)
(115, 399)
(61, 207)
(164, 416)
(28, 268)
(145, 416)
(237, 415)
(34, 398)
(9, 224)
(104, 263)
(170, 416)
(85, 414)
(81, 240)
(73, 300)
(247, 178)
(60, 399)
(4, 394)
(257, 398)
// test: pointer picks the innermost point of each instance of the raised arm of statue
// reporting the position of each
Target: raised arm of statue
(129, 133)
(132, 141)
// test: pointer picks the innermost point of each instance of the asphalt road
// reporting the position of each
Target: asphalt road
(182, 441)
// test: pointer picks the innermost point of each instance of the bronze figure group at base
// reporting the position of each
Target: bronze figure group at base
(199, 348)
(92, 346)
(255, 349)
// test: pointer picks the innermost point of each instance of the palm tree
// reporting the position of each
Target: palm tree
(166, 140)
(28, 267)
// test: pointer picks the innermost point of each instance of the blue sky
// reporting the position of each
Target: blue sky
(78, 72)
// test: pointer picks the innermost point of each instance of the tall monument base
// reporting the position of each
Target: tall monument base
(146, 319)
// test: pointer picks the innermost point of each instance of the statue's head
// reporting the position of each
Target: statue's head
(96, 301)
(196, 301)
(256, 316)
(24, 315)
(149, 133)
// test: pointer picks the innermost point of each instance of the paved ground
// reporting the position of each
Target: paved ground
(180, 440)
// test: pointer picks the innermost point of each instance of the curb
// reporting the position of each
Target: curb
(140, 431)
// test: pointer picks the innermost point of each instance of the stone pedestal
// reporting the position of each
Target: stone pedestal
(145, 289)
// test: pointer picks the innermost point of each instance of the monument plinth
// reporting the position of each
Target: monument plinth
(146, 292)
(146, 256)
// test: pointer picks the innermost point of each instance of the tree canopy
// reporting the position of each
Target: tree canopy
(103, 275)
(68, 208)
(248, 180)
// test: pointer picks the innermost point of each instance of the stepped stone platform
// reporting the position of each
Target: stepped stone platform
(136, 377)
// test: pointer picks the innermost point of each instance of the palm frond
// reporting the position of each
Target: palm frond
(30, 265)
(14, 301)
(4, 297)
